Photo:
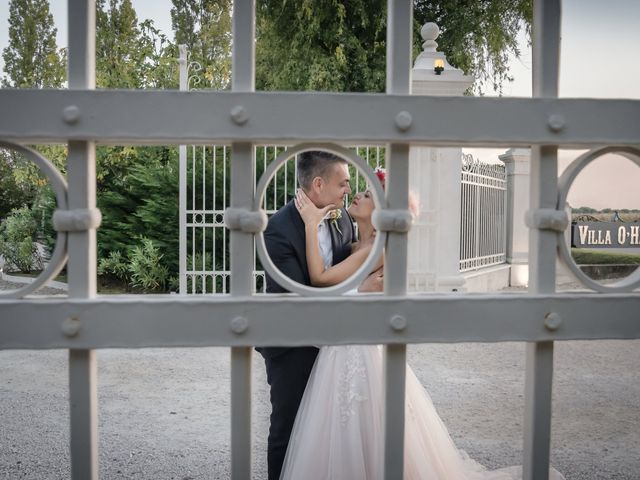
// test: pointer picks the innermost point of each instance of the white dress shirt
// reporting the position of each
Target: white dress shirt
(324, 242)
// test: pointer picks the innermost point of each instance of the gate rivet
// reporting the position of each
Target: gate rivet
(552, 321)
(404, 121)
(398, 323)
(239, 115)
(70, 326)
(556, 122)
(71, 114)
(239, 325)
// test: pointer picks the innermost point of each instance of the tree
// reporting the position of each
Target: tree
(117, 45)
(32, 58)
(12, 194)
(340, 45)
(204, 26)
(159, 68)
(477, 35)
(141, 205)
(328, 46)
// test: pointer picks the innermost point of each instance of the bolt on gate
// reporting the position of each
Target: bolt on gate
(83, 322)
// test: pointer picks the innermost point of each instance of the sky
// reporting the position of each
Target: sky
(599, 59)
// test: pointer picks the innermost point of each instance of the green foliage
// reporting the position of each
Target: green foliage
(117, 45)
(32, 60)
(603, 257)
(18, 233)
(12, 193)
(340, 45)
(115, 265)
(28, 175)
(142, 200)
(42, 211)
(584, 210)
(158, 66)
(477, 35)
(204, 26)
(145, 264)
(131, 54)
(332, 46)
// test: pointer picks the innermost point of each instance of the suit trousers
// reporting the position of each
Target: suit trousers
(287, 375)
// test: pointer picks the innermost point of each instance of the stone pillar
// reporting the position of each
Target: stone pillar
(517, 163)
(434, 175)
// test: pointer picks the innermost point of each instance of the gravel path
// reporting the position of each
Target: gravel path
(164, 413)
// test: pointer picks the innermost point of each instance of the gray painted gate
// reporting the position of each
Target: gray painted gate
(243, 118)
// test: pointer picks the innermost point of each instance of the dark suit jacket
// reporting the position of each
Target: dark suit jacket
(285, 242)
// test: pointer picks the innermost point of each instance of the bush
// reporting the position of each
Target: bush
(142, 200)
(147, 271)
(115, 265)
(18, 233)
(603, 257)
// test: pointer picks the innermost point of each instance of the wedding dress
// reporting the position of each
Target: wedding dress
(338, 432)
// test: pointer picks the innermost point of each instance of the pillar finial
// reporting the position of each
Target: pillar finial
(429, 32)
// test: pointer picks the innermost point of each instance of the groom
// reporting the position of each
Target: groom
(324, 177)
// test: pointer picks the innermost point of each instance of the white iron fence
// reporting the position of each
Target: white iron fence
(205, 242)
(483, 222)
(83, 321)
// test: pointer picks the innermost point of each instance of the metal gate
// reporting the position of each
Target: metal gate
(243, 118)
(205, 195)
(483, 227)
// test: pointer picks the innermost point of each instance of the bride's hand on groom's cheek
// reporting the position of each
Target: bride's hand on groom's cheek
(311, 215)
(373, 283)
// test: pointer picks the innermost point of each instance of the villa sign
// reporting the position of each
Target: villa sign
(605, 235)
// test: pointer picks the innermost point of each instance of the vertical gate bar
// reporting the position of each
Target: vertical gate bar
(217, 219)
(537, 413)
(241, 244)
(463, 222)
(182, 201)
(542, 245)
(264, 167)
(399, 40)
(505, 219)
(476, 222)
(224, 230)
(83, 400)
(81, 267)
(494, 222)
(240, 411)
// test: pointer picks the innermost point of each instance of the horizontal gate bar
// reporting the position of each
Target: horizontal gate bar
(189, 321)
(174, 117)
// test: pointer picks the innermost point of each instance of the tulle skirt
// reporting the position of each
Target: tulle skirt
(338, 432)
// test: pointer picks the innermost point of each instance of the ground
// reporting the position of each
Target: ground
(164, 413)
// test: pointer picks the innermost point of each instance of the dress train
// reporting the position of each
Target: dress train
(338, 432)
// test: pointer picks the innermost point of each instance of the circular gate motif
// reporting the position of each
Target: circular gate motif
(378, 196)
(565, 181)
(59, 255)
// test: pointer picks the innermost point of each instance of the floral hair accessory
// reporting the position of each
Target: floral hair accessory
(381, 173)
(334, 216)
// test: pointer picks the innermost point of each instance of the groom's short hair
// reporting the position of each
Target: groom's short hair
(315, 163)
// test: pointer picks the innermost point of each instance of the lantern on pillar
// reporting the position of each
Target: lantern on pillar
(438, 66)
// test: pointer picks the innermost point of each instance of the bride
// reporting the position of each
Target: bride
(338, 431)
